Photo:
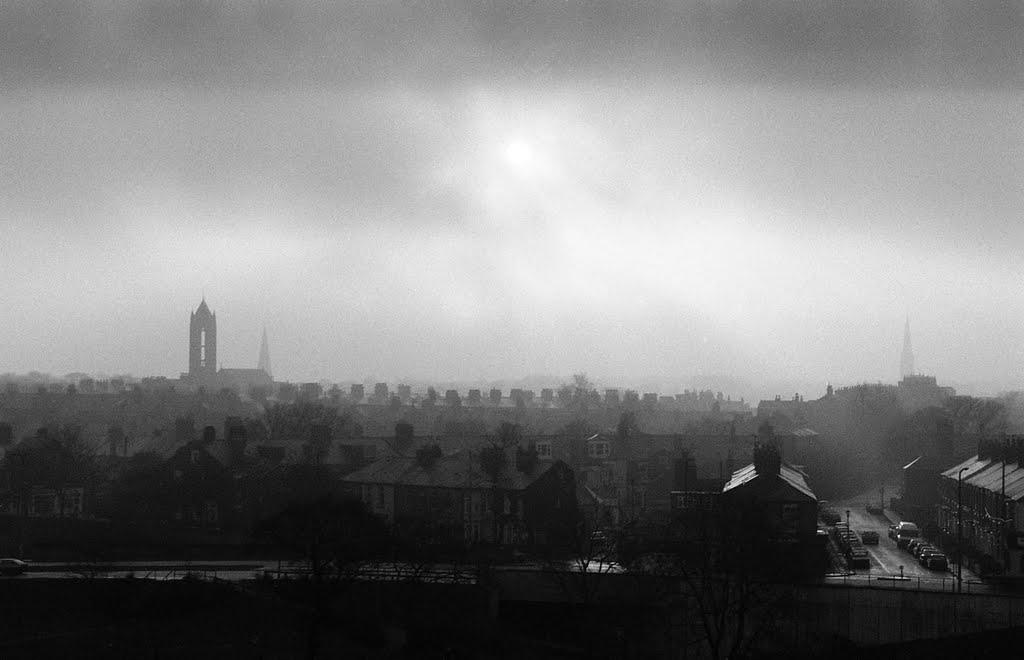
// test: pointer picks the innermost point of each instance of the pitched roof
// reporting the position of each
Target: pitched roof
(973, 465)
(164, 444)
(458, 470)
(989, 475)
(789, 475)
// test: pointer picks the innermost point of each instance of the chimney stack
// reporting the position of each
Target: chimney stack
(767, 459)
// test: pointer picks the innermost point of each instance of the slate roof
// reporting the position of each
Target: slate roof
(973, 465)
(789, 475)
(988, 474)
(163, 445)
(459, 470)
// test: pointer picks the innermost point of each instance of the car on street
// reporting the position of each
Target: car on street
(905, 533)
(930, 551)
(892, 532)
(829, 516)
(11, 566)
(936, 562)
(858, 558)
(869, 537)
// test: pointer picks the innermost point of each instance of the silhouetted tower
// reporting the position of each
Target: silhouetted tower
(202, 343)
(907, 359)
(264, 360)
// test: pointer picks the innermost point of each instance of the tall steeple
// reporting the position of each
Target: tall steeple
(907, 359)
(264, 359)
(202, 343)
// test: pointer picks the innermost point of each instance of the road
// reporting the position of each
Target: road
(887, 559)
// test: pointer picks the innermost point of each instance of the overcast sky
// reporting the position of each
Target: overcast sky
(648, 192)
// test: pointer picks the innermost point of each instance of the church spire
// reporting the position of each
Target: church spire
(264, 359)
(907, 359)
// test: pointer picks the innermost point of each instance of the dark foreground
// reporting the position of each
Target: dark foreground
(196, 619)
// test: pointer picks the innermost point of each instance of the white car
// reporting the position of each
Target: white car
(11, 566)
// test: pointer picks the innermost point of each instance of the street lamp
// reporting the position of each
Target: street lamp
(959, 529)
(847, 520)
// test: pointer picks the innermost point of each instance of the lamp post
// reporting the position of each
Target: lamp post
(847, 520)
(959, 529)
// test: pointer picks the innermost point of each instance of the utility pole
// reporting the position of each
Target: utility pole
(960, 530)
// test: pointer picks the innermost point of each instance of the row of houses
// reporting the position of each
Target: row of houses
(540, 492)
(975, 506)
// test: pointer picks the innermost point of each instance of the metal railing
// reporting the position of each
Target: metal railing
(947, 584)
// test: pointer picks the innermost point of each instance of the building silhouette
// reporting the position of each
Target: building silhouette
(202, 358)
(264, 360)
(907, 358)
(202, 344)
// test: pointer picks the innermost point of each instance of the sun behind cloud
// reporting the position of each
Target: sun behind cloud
(520, 154)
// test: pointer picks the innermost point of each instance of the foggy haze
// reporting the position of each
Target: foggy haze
(660, 192)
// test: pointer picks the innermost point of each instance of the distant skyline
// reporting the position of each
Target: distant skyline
(458, 193)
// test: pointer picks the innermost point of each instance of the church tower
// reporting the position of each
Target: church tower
(264, 359)
(907, 359)
(202, 343)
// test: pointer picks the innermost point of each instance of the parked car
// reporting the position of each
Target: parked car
(920, 548)
(858, 558)
(930, 551)
(912, 544)
(11, 566)
(874, 509)
(892, 532)
(869, 537)
(936, 562)
(830, 516)
(906, 532)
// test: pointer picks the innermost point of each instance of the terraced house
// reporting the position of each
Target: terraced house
(459, 497)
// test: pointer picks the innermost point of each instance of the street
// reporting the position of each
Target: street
(887, 559)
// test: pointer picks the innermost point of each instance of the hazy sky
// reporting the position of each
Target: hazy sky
(648, 192)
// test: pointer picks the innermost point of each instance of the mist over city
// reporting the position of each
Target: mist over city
(655, 329)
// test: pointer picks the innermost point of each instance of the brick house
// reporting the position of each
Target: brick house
(768, 505)
(447, 498)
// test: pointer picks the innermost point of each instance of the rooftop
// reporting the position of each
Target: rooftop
(787, 474)
(459, 470)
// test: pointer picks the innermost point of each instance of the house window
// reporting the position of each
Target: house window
(599, 449)
(73, 502)
(790, 519)
(212, 513)
(543, 450)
